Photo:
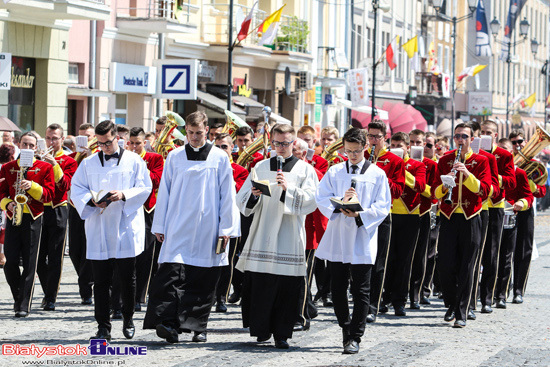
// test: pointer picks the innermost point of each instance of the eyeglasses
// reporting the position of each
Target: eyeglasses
(461, 136)
(349, 152)
(518, 142)
(108, 143)
(375, 137)
(283, 144)
(52, 139)
(223, 146)
(430, 145)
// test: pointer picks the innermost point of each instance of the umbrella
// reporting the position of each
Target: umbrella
(361, 119)
(7, 125)
(404, 117)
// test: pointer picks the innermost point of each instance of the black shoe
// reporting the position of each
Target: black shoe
(49, 306)
(234, 298)
(383, 309)
(21, 314)
(86, 301)
(128, 329)
(137, 307)
(199, 337)
(471, 315)
(459, 324)
(43, 303)
(281, 344)
(518, 299)
(371, 318)
(400, 310)
(117, 315)
(102, 333)
(262, 339)
(415, 306)
(486, 309)
(327, 301)
(299, 327)
(352, 347)
(168, 333)
(501, 303)
(221, 307)
(449, 315)
(425, 301)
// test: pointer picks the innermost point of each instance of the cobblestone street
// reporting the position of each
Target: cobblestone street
(519, 335)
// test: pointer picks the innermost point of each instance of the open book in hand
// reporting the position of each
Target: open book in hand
(101, 196)
(262, 185)
(352, 205)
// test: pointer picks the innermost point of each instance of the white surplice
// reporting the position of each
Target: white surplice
(119, 231)
(277, 238)
(195, 205)
(343, 241)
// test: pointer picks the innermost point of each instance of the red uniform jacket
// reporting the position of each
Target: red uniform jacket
(257, 158)
(319, 163)
(521, 190)
(468, 201)
(316, 223)
(394, 168)
(505, 164)
(411, 195)
(155, 165)
(239, 175)
(493, 169)
(41, 173)
(431, 173)
(63, 179)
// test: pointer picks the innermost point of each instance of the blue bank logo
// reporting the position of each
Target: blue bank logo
(100, 347)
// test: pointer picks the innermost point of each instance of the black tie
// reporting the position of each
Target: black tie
(107, 156)
(354, 168)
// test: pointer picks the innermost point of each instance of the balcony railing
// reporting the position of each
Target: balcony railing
(429, 84)
(175, 10)
(293, 35)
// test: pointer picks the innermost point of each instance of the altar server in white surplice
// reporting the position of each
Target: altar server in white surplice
(350, 241)
(195, 209)
(273, 259)
(115, 233)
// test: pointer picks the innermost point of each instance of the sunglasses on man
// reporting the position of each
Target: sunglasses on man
(223, 146)
(518, 142)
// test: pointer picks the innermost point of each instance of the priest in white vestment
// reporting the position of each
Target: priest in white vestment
(350, 240)
(115, 229)
(195, 210)
(273, 257)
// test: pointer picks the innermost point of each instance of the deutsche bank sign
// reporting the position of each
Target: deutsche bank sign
(177, 79)
(128, 78)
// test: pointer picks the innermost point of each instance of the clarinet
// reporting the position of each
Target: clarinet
(371, 156)
(448, 199)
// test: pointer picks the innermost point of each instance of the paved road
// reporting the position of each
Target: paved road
(519, 335)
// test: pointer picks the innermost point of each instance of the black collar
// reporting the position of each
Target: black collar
(366, 165)
(102, 158)
(200, 155)
(288, 163)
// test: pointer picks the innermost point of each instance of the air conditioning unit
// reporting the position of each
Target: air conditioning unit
(305, 80)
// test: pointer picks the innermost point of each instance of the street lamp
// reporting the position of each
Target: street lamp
(437, 4)
(385, 8)
(523, 31)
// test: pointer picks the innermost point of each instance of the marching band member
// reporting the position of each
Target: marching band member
(330, 135)
(214, 130)
(245, 138)
(441, 146)
(56, 215)
(405, 220)
(350, 243)
(394, 167)
(272, 288)
(108, 190)
(460, 233)
(199, 178)
(22, 240)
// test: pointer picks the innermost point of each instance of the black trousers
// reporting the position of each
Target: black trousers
(22, 242)
(420, 259)
(181, 297)
(52, 250)
(431, 282)
(270, 304)
(224, 283)
(77, 253)
(322, 278)
(379, 270)
(125, 271)
(359, 275)
(404, 236)
(235, 247)
(505, 258)
(145, 260)
(308, 310)
(459, 243)
(490, 257)
(524, 250)
(484, 228)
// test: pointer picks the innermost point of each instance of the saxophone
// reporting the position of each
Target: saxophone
(20, 198)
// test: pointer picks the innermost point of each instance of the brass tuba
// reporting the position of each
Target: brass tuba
(247, 156)
(329, 151)
(163, 145)
(536, 171)
(20, 198)
(233, 122)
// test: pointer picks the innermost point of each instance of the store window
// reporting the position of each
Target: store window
(121, 109)
(73, 74)
(21, 96)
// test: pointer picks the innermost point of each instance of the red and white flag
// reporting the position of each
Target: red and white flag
(391, 53)
(246, 24)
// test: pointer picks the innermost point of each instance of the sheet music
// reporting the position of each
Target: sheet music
(26, 158)
(81, 143)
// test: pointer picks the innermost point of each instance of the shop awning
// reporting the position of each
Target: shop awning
(87, 92)
(383, 115)
(253, 108)
(217, 105)
(278, 119)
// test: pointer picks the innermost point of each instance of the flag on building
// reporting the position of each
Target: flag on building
(470, 71)
(246, 24)
(483, 41)
(411, 47)
(529, 101)
(268, 29)
(513, 15)
(433, 67)
(548, 100)
(391, 53)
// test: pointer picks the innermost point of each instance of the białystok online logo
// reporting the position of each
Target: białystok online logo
(97, 347)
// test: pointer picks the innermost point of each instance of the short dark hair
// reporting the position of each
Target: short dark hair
(464, 125)
(31, 134)
(137, 131)
(401, 136)
(122, 128)
(196, 118)
(355, 135)
(504, 141)
(244, 130)
(7, 153)
(161, 120)
(217, 125)
(56, 127)
(104, 127)
(85, 126)
(515, 133)
(474, 125)
(222, 136)
(377, 124)
(417, 132)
